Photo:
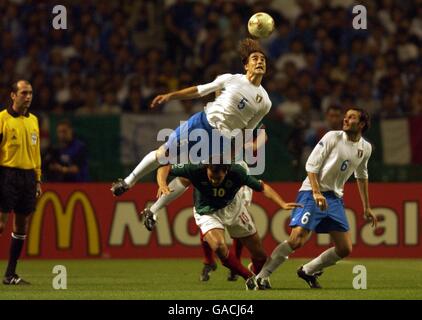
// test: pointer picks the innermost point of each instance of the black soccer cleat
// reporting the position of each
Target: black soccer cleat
(205, 273)
(263, 283)
(149, 220)
(119, 187)
(232, 276)
(311, 280)
(15, 280)
(251, 283)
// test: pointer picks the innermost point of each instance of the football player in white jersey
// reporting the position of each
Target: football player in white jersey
(242, 104)
(331, 163)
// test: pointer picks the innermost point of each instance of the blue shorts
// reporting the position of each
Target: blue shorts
(191, 133)
(310, 217)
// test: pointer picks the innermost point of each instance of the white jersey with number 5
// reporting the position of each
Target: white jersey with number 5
(334, 159)
(241, 104)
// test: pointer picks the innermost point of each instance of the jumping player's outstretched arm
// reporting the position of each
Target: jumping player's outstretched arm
(184, 94)
(192, 92)
(270, 193)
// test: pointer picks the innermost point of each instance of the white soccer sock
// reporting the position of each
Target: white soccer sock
(278, 256)
(147, 164)
(328, 258)
(178, 189)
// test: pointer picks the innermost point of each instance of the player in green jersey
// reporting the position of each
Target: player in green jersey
(219, 205)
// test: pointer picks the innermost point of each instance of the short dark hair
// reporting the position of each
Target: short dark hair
(247, 47)
(65, 122)
(14, 88)
(218, 167)
(363, 117)
(334, 107)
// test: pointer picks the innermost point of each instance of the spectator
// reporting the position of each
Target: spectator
(296, 55)
(389, 107)
(333, 120)
(367, 101)
(290, 108)
(66, 162)
(123, 46)
(112, 44)
(279, 44)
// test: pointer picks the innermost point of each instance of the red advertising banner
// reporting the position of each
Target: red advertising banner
(86, 221)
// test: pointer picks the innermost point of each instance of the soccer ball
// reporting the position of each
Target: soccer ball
(261, 25)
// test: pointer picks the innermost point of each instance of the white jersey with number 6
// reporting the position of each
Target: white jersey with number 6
(241, 104)
(334, 159)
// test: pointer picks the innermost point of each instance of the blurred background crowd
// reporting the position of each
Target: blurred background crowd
(116, 56)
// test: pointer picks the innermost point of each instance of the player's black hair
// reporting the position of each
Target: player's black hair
(218, 167)
(14, 88)
(363, 117)
(247, 47)
(334, 107)
(65, 122)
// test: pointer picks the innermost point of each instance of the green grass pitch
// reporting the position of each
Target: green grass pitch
(175, 279)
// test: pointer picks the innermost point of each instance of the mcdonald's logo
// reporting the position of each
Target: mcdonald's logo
(64, 221)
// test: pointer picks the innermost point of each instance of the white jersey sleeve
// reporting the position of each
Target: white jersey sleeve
(320, 152)
(217, 84)
(361, 171)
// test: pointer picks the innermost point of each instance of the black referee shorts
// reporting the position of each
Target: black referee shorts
(18, 189)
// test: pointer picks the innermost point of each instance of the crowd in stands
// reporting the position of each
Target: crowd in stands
(116, 56)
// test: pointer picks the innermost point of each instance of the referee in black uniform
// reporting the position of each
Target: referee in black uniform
(20, 171)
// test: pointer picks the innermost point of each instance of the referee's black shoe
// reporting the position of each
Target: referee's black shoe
(119, 187)
(311, 280)
(15, 280)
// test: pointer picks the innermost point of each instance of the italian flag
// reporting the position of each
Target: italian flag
(402, 140)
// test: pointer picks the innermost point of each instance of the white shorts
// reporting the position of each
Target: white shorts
(235, 217)
(245, 190)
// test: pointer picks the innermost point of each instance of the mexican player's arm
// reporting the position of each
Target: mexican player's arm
(260, 186)
(271, 194)
(361, 175)
(162, 175)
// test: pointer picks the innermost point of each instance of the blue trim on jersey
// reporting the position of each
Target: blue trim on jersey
(310, 217)
(197, 121)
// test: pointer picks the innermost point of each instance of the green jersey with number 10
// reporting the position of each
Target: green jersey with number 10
(208, 198)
